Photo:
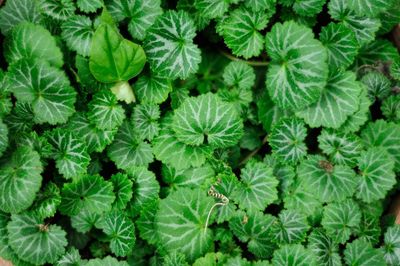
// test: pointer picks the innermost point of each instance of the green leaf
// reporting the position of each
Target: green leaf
(113, 58)
(364, 28)
(181, 219)
(256, 231)
(58, 9)
(146, 222)
(298, 70)
(260, 5)
(226, 186)
(34, 42)
(104, 110)
(308, 8)
(20, 119)
(342, 148)
(121, 231)
(47, 201)
(291, 227)
(191, 177)
(77, 32)
(269, 113)
(34, 241)
(258, 187)
(390, 17)
(212, 8)
(145, 119)
(152, 89)
(329, 182)
(324, 248)
(392, 245)
(287, 140)
(241, 31)
(36, 143)
(145, 188)
(85, 220)
(239, 74)
(207, 120)
(369, 8)
(378, 85)
(141, 14)
(185, 156)
(70, 153)
(384, 134)
(341, 45)
(20, 180)
(107, 261)
(293, 255)
(340, 219)
(175, 258)
(3, 137)
(70, 258)
(169, 46)
(46, 88)
(338, 100)
(391, 108)
(361, 253)
(377, 51)
(17, 11)
(122, 190)
(91, 193)
(95, 139)
(89, 6)
(376, 174)
(127, 151)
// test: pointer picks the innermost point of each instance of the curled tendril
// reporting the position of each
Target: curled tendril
(224, 201)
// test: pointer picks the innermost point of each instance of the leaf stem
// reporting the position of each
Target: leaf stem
(249, 62)
(254, 152)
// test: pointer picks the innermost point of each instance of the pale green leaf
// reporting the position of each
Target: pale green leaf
(92, 193)
(258, 187)
(361, 253)
(70, 153)
(338, 100)
(107, 261)
(20, 180)
(376, 174)
(298, 70)
(77, 32)
(34, 241)
(340, 219)
(207, 120)
(181, 219)
(169, 46)
(329, 182)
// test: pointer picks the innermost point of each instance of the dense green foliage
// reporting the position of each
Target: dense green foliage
(199, 132)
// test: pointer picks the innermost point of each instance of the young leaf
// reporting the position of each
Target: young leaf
(291, 227)
(325, 249)
(89, 6)
(46, 88)
(239, 74)
(113, 58)
(341, 45)
(104, 110)
(169, 46)
(256, 231)
(257, 188)
(121, 231)
(70, 153)
(141, 14)
(361, 253)
(338, 100)
(298, 69)
(181, 219)
(392, 245)
(77, 32)
(241, 31)
(145, 119)
(152, 89)
(293, 255)
(207, 120)
(378, 85)
(122, 190)
(15, 12)
(34, 42)
(287, 140)
(20, 180)
(91, 193)
(376, 174)
(58, 9)
(384, 134)
(340, 219)
(127, 151)
(329, 182)
(342, 148)
(34, 241)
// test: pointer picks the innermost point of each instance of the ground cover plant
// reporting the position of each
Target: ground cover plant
(199, 132)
